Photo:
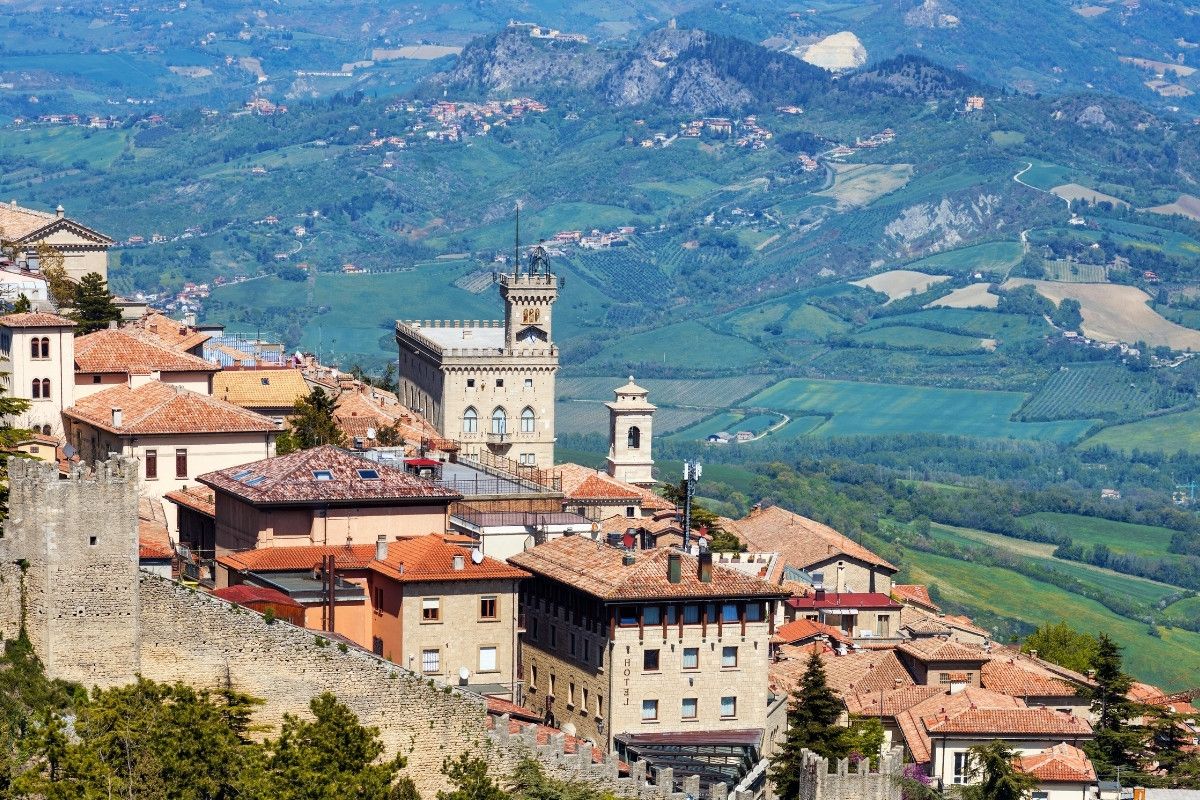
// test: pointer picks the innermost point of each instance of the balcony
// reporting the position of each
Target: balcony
(499, 438)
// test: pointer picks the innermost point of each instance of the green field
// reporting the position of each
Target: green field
(1073, 272)
(787, 317)
(1086, 391)
(1172, 661)
(1046, 176)
(1169, 433)
(591, 416)
(1187, 609)
(966, 321)
(706, 392)
(904, 337)
(987, 257)
(873, 408)
(688, 344)
(1120, 537)
(62, 146)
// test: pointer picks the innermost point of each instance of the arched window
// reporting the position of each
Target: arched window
(470, 421)
(46, 388)
(499, 421)
(528, 421)
(634, 439)
(45, 342)
(46, 430)
(37, 388)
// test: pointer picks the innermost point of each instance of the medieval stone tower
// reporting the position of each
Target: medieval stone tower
(75, 542)
(630, 432)
(528, 302)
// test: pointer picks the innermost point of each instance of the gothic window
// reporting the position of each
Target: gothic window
(41, 388)
(634, 440)
(470, 421)
(44, 343)
(499, 421)
(528, 422)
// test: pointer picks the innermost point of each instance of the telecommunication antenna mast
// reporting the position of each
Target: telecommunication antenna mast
(691, 476)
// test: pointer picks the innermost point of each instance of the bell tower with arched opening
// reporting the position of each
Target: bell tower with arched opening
(630, 434)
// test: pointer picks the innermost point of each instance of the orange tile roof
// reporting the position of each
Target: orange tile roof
(356, 413)
(413, 559)
(935, 649)
(130, 351)
(159, 408)
(1011, 721)
(36, 319)
(1062, 763)
(866, 671)
(260, 388)
(889, 702)
(170, 332)
(1019, 679)
(154, 542)
(300, 477)
(921, 621)
(912, 725)
(571, 744)
(914, 593)
(584, 483)
(801, 541)
(18, 223)
(598, 569)
(244, 593)
(802, 629)
(197, 498)
(497, 706)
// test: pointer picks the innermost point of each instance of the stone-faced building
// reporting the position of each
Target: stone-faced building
(630, 432)
(37, 363)
(489, 385)
(640, 650)
(322, 496)
(83, 249)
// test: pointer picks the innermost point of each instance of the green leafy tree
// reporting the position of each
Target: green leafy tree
(1116, 742)
(469, 777)
(312, 424)
(996, 775)
(701, 516)
(94, 307)
(1063, 645)
(9, 436)
(330, 757)
(530, 782)
(51, 263)
(22, 305)
(812, 725)
(865, 738)
(28, 701)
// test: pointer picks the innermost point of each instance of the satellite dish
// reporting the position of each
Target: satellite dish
(69, 450)
(476, 558)
(463, 673)
(529, 542)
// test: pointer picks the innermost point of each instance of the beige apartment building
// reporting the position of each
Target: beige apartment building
(651, 652)
(489, 385)
(83, 249)
(37, 363)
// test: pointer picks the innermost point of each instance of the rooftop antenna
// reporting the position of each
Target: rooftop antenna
(517, 242)
(691, 475)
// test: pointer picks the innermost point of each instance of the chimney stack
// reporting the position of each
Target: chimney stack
(117, 417)
(459, 562)
(704, 566)
(60, 211)
(674, 567)
(381, 547)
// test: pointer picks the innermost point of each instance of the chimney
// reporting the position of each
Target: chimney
(458, 562)
(381, 547)
(629, 560)
(60, 211)
(117, 417)
(112, 325)
(704, 567)
(674, 567)
(370, 433)
(1033, 653)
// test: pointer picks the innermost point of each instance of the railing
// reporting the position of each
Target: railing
(491, 462)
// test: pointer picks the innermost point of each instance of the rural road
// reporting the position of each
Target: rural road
(1028, 167)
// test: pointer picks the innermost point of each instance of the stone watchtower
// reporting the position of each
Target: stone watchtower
(630, 430)
(76, 540)
(528, 302)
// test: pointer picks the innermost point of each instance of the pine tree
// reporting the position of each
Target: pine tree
(812, 725)
(311, 425)
(998, 777)
(470, 779)
(94, 307)
(22, 306)
(1116, 742)
(9, 436)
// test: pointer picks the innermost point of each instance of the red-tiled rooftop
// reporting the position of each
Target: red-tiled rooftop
(132, 351)
(244, 593)
(325, 474)
(1015, 678)
(36, 319)
(160, 408)
(804, 629)
(802, 542)
(835, 600)
(1062, 763)
(1018, 721)
(936, 649)
(914, 593)
(198, 498)
(599, 570)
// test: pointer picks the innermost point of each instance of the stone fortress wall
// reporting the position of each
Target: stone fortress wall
(69, 569)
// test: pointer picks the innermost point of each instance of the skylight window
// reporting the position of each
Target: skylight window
(322, 475)
(256, 481)
(241, 473)
(369, 474)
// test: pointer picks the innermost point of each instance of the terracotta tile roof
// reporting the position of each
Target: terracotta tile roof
(935, 649)
(244, 593)
(410, 560)
(889, 702)
(324, 474)
(914, 593)
(598, 569)
(833, 600)
(36, 319)
(1062, 763)
(170, 332)
(159, 408)
(866, 671)
(1012, 721)
(154, 543)
(803, 542)
(800, 630)
(497, 706)
(1021, 679)
(18, 222)
(260, 388)
(357, 411)
(584, 483)
(939, 706)
(923, 622)
(198, 498)
(130, 351)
